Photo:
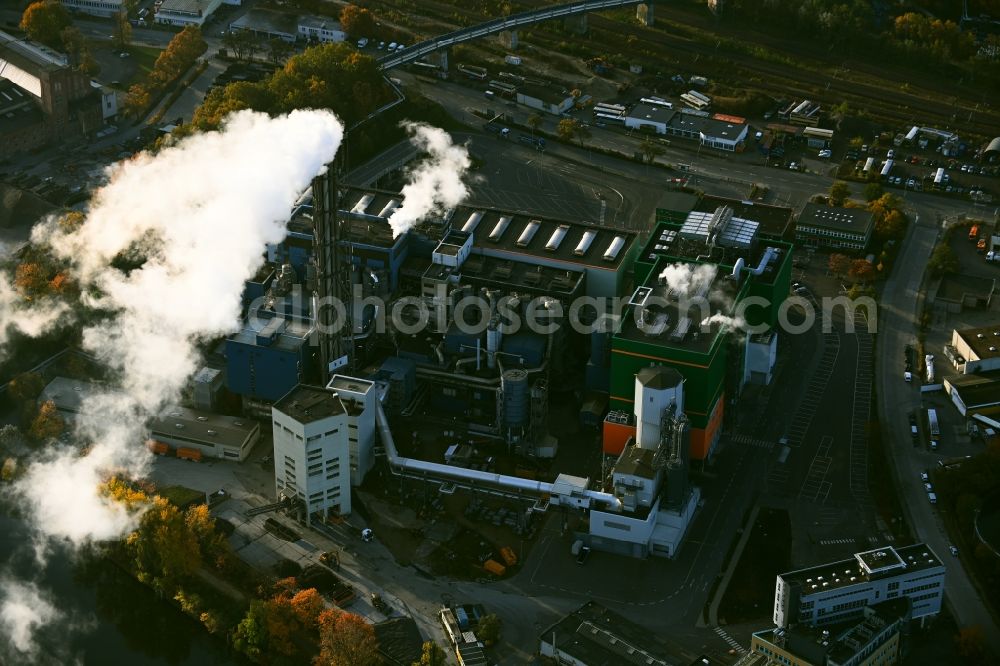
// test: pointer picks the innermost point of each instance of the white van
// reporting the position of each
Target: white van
(363, 42)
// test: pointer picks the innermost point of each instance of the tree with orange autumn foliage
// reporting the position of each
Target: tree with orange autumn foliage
(31, 279)
(345, 639)
(48, 423)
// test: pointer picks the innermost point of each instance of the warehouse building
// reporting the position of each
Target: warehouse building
(215, 435)
(876, 638)
(544, 98)
(719, 131)
(186, 12)
(980, 347)
(834, 227)
(840, 591)
(975, 392)
(70, 395)
(650, 116)
(592, 635)
(267, 24)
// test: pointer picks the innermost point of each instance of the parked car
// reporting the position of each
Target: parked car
(953, 550)
(932, 498)
(381, 45)
(581, 557)
(825, 153)
(793, 166)
(392, 46)
(924, 477)
(928, 487)
(363, 42)
(889, 155)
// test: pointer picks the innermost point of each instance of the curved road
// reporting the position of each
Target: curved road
(896, 328)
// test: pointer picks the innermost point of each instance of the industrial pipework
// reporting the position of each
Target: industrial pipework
(412, 468)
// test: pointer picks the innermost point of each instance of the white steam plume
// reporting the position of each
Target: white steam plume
(735, 323)
(435, 184)
(30, 318)
(689, 279)
(200, 214)
(23, 611)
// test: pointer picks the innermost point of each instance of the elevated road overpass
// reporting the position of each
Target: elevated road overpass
(496, 26)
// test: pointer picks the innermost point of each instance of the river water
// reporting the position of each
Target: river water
(110, 618)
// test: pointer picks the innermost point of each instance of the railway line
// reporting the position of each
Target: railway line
(880, 100)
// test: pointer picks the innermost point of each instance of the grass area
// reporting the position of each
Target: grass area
(767, 553)
(180, 496)
(144, 58)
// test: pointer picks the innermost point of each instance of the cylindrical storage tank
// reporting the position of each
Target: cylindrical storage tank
(515, 397)
(493, 337)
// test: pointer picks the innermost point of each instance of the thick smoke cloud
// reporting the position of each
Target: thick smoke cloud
(435, 183)
(32, 319)
(689, 280)
(197, 218)
(23, 610)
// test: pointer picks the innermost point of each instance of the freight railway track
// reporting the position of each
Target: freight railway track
(877, 98)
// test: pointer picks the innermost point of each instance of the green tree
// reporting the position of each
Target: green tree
(278, 50)
(839, 192)
(345, 639)
(839, 112)
(357, 21)
(44, 22)
(250, 635)
(242, 43)
(431, 655)
(489, 629)
(873, 191)
(651, 149)
(121, 31)
(534, 122)
(942, 261)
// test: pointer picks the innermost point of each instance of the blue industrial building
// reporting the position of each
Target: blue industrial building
(266, 364)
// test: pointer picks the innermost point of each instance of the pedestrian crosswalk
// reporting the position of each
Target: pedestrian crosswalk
(747, 440)
(834, 542)
(729, 639)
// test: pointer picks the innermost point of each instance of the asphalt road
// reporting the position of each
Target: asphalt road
(896, 400)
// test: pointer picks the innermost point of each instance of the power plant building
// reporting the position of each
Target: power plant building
(695, 277)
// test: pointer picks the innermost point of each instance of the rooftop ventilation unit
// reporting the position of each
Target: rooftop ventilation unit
(584, 244)
(556, 239)
(616, 246)
(389, 208)
(500, 228)
(473, 222)
(529, 232)
(363, 204)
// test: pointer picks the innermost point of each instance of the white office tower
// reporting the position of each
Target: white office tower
(657, 388)
(358, 396)
(312, 453)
